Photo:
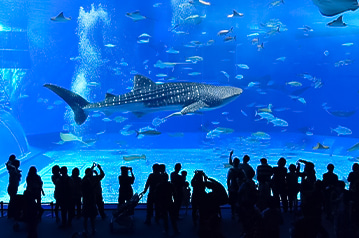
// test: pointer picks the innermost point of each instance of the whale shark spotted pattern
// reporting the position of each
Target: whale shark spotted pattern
(146, 96)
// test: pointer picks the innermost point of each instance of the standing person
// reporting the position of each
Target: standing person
(98, 189)
(89, 199)
(235, 178)
(164, 203)
(293, 187)
(199, 193)
(12, 166)
(54, 178)
(247, 168)
(264, 174)
(330, 180)
(77, 195)
(65, 188)
(279, 185)
(152, 182)
(34, 187)
(125, 181)
(177, 181)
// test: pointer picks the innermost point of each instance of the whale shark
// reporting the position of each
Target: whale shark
(147, 96)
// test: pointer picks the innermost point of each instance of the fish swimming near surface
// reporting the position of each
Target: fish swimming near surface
(320, 147)
(333, 7)
(146, 96)
(337, 22)
(60, 18)
(134, 157)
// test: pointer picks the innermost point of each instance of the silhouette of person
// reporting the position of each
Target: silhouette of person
(272, 219)
(235, 178)
(65, 189)
(293, 187)
(89, 209)
(186, 192)
(12, 166)
(353, 179)
(198, 194)
(247, 168)
(77, 194)
(34, 186)
(209, 210)
(264, 174)
(152, 182)
(279, 186)
(164, 203)
(178, 183)
(54, 178)
(98, 189)
(125, 181)
(330, 179)
(308, 179)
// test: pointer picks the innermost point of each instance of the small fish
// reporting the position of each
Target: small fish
(106, 119)
(145, 41)
(341, 130)
(215, 122)
(198, 2)
(194, 73)
(261, 135)
(194, 59)
(133, 72)
(224, 32)
(110, 45)
(210, 42)
(229, 38)
(148, 133)
(157, 4)
(326, 53)
(161, 75)
(172, 51)
(294, 84)
(60, 18)
(309, 133)
(348, 44)
(320, 147)
(135, 16)
(243, 66)
(120, 119)
(239, 76)
(252, 84)
(243, 113)
(144, 35)
(279, 122)
(281, 59)
(260, 46)
(134, 157)
(235, 14)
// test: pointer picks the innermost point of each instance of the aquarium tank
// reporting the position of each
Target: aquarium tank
(133, 83)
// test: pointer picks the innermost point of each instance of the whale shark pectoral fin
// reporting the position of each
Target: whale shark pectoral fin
(193, 107)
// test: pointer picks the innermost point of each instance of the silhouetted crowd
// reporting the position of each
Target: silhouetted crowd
(259, 207)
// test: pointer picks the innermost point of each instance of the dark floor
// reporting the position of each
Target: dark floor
(49, 228)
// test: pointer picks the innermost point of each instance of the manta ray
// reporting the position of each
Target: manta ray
(60, 18)
(333, 7)
(147, 96)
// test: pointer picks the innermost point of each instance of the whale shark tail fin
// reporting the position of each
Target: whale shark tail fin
(75, 101)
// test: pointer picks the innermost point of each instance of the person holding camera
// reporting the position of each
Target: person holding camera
(125, 181)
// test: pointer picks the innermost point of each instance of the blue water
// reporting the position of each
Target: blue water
(304, 75)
